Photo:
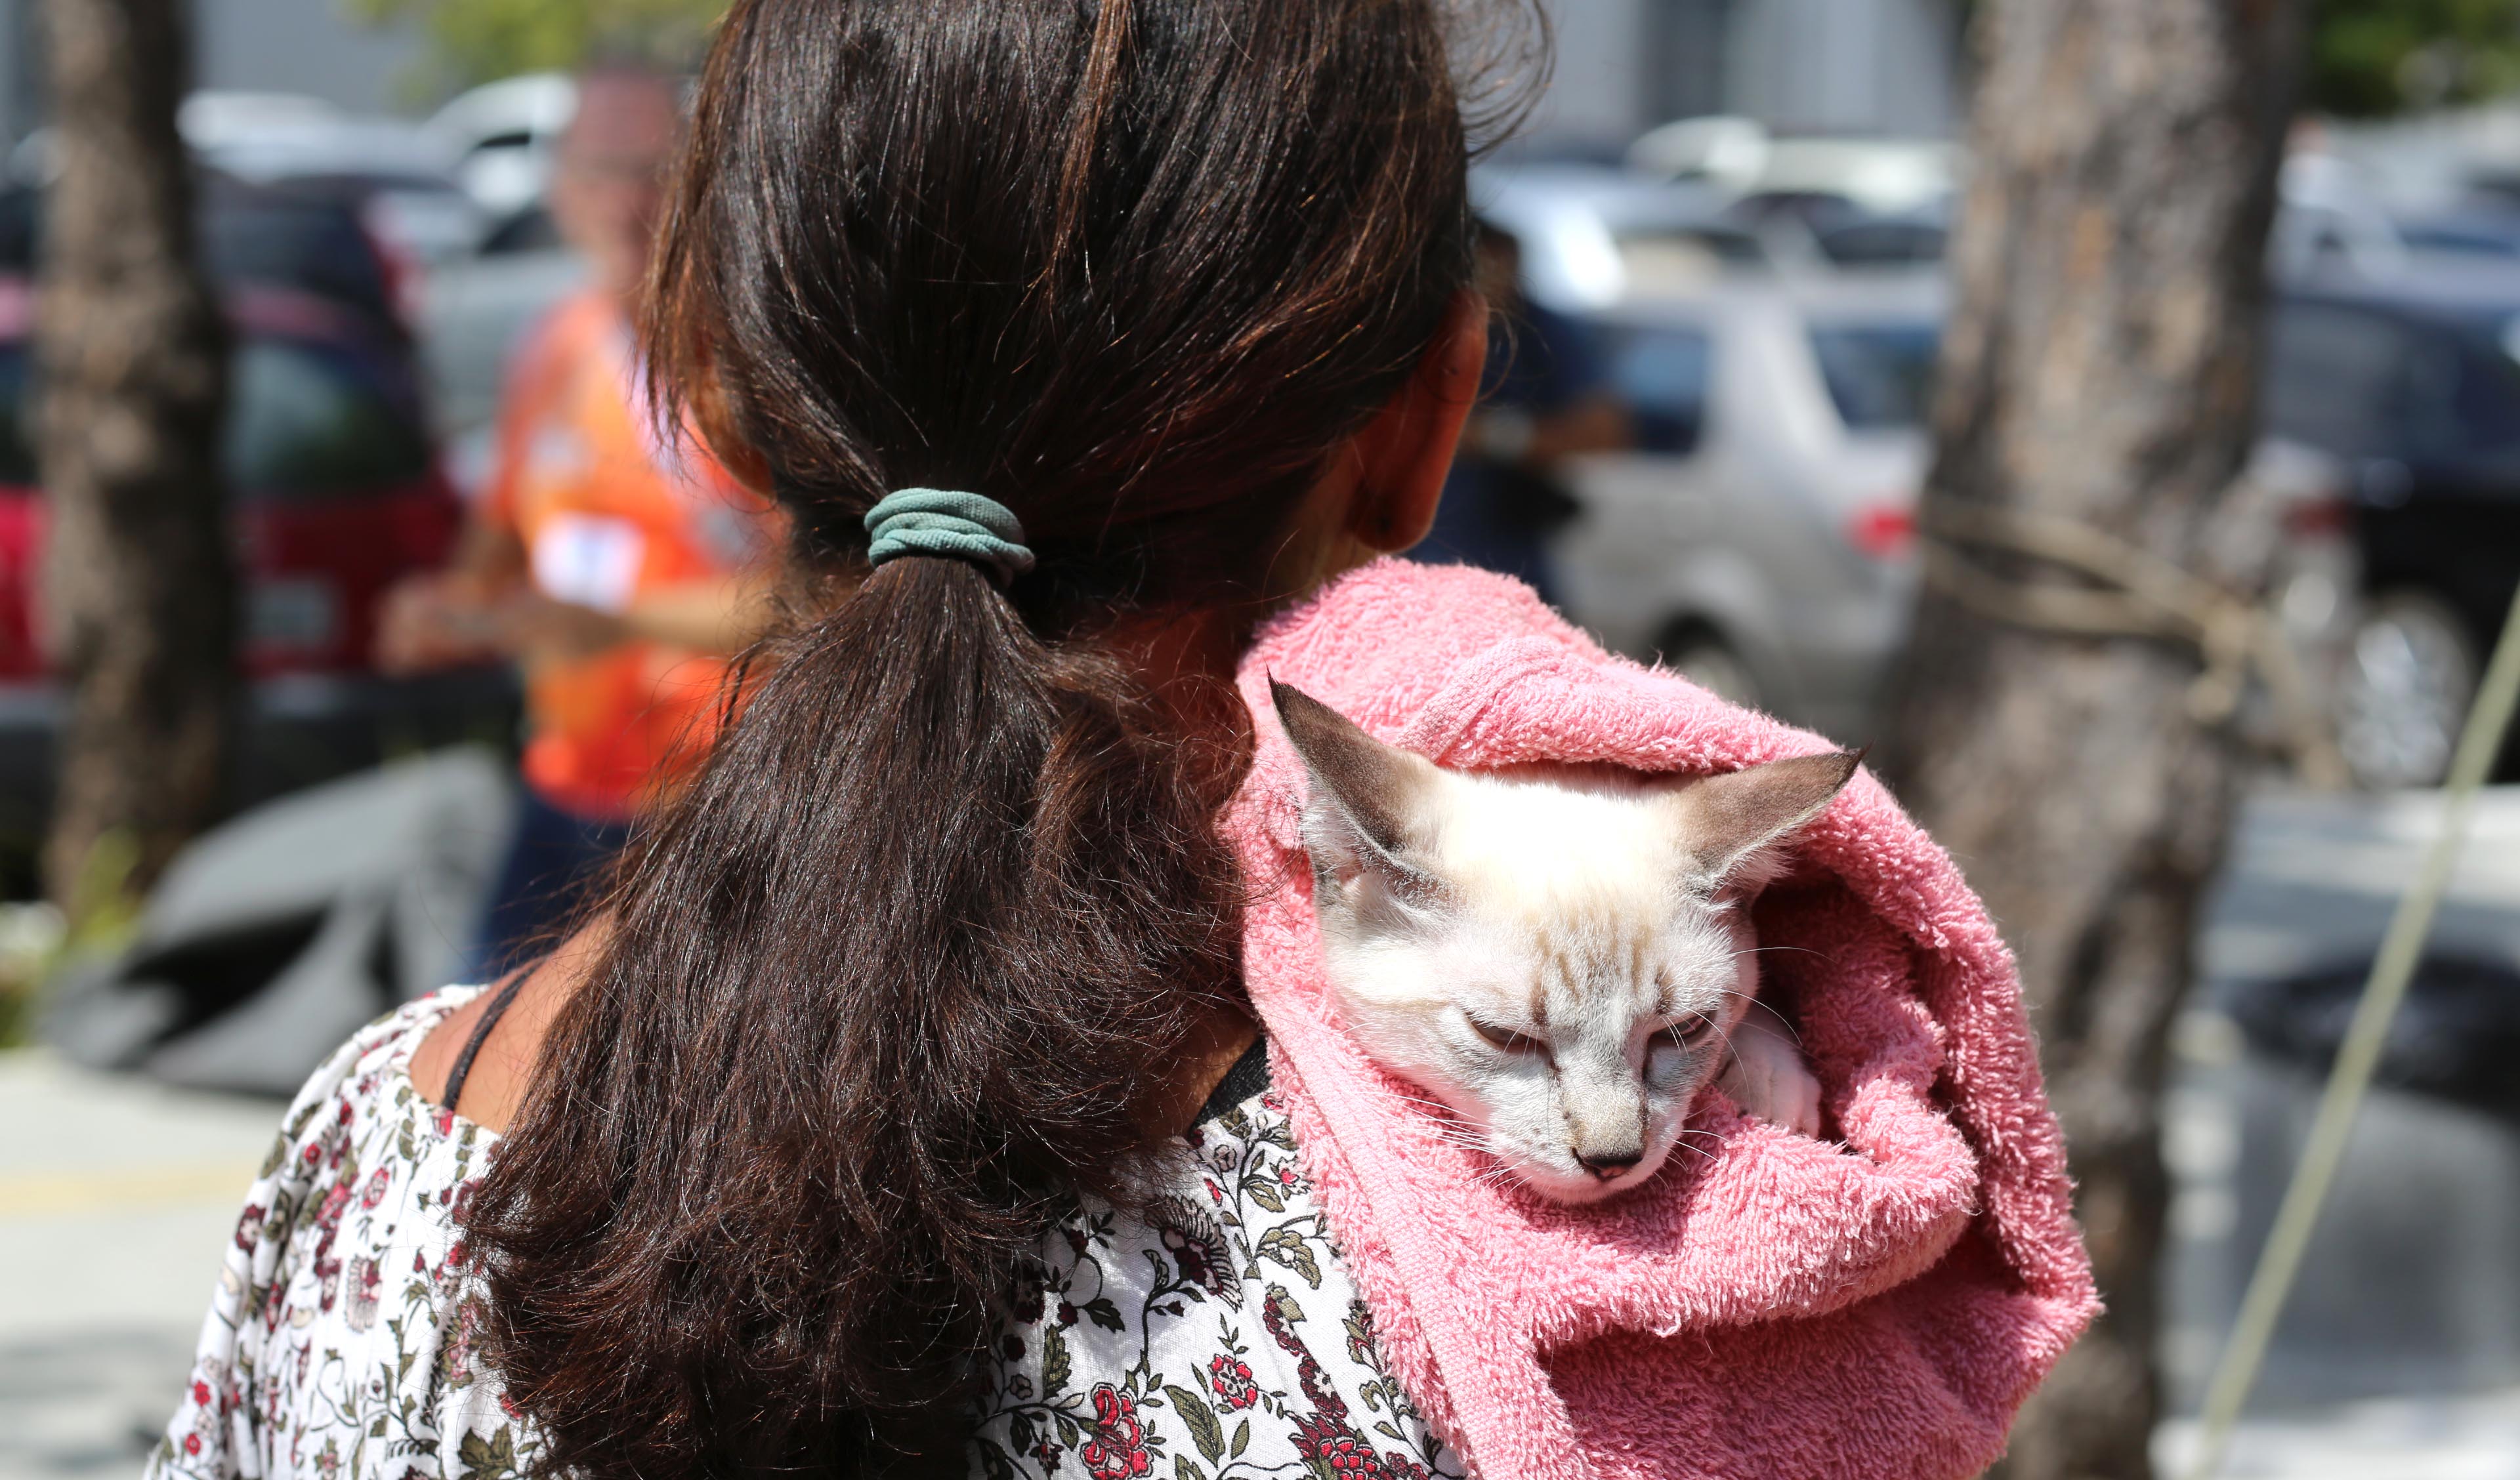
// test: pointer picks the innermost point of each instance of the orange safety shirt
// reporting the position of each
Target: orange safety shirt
(606, 509)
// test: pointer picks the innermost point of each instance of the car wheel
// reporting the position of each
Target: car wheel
(1709, 662)
(2409, 676)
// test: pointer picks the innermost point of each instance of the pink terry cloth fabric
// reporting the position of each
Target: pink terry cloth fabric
(1875, 1306)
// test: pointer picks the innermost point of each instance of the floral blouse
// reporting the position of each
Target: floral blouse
(1218, 1337)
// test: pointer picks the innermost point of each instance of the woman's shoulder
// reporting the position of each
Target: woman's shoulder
(509, 1049)
(1215, 1325)
(340, 1330)
(367, 1080)
(366, 1083)
(384, 1049)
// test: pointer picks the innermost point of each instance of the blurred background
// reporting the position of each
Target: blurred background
(1722, 244)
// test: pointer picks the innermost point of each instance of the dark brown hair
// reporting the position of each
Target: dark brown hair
(898, 971)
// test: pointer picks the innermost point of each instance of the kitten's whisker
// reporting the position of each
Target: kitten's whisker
(1441, 1110)
(1461, 1134)
(1757, 950)
(1782, 1020)
(1723, 1034)
(1450, 1128)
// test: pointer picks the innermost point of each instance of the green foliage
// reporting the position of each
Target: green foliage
(478, 40)
(37, 940)
(2375, 57)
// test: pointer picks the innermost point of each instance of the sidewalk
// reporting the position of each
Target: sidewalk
(116, 1199)
(2382, 1438)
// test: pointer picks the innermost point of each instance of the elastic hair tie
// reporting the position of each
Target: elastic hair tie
(941, 522)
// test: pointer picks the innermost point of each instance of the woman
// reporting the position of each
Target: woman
(876, 1122)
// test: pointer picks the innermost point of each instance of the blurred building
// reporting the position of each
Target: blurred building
(1835, 66)
(308, 47)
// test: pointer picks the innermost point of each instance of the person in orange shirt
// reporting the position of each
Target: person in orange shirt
(617, 565)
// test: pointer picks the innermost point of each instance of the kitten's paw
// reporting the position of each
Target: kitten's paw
(1766, 1077)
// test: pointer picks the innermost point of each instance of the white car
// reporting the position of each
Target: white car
(1883, 176)
(500, 137)
(1593, 237)
(471, 316)
(1761, 537)
(393, 172)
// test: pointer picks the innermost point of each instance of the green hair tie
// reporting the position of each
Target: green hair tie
(940, 521)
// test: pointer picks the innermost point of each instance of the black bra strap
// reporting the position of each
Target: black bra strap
(1248, 1077)
(489, 1020)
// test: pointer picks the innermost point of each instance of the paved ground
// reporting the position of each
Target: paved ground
(2473, 1438)
(2412, 1281)
(116, 1199)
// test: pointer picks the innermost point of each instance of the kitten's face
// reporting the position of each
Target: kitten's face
(1572, 1040)
(1559, 955)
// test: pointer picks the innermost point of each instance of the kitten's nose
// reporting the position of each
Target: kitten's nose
(1612, 1165)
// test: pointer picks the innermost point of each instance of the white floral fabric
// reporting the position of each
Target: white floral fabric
(1216, 1338)
(340, 1339)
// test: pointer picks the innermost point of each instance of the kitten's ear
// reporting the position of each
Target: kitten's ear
(1732, 823)
(1369, 801)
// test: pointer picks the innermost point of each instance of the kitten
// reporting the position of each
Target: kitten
(1563, 955)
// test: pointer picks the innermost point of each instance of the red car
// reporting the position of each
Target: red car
(337, 494)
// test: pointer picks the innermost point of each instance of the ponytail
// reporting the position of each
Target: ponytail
(891, 983)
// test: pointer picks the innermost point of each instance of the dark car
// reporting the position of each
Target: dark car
(274, 236)
(2421, 396)
(337, 494)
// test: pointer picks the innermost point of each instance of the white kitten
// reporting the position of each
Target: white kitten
(1563, 955)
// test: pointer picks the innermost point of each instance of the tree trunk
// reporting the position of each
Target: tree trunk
(139, 590)
(2099, 365)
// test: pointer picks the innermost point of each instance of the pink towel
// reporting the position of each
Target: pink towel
(1876, 1306)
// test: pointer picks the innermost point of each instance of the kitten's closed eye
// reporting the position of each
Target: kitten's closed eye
(1692, 1033)
(1506, 1039)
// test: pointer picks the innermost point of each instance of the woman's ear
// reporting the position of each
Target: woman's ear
(1408, 448)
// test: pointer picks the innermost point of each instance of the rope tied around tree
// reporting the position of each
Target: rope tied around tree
(2134, 594)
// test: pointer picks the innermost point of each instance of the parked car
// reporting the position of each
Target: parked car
(1889, 177)
(472, 314)
(500, 138)
(1761, 535)
(2415, 386)
(2482, 232)
(276, 235)
(1818, 200)
(337, 494)
(2338, 229)
(1597, 236)
(397, 177)
(389, 178)
(1594, 236)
